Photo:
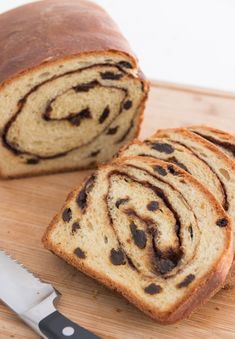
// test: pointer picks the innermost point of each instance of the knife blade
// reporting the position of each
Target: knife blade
(33, 301)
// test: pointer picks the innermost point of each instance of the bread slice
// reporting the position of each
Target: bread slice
(176, 153)
(148, 230)
(219, 163)
(225, 141)
(71, 91)
(197, 156)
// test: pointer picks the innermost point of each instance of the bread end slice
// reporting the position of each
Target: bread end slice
(78, 235)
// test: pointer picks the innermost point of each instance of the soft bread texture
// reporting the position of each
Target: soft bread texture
(225, 141)
(176, 153)
(205, 161)
(72, 95)
(148, 230)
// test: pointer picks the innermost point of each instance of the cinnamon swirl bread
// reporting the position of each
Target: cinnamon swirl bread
(205, 161)
(220, 164)
(148, 230)
(176, 153)
(71, 92)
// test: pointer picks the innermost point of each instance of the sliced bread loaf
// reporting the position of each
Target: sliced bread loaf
(148, 230)
(71, 91)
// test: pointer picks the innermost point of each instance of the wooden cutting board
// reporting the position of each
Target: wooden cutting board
(28, 205)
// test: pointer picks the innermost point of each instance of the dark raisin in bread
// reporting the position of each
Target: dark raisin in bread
(162, 241)
(71, 92)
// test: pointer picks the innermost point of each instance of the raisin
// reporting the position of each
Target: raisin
(117, 257)
(67, 215)
(172, 170)
(128, 104)
(76, 118)
(139, 236)
(81, 199)
(160, 170)
(82, 196)
(222, 222)
(86, 87)
(125, 64)
(112, 131)
(186, 281)
(111, 76)
(153, 289)
(80, 253)
(162, 147)
(165, 265)
(152, 206)
(104, 115)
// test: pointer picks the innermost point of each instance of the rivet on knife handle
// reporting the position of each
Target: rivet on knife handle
(56, 326)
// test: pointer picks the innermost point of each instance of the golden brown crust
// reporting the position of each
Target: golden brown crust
(200, 140)
(222, 134)
(205, 288)
(32, 34)
(32, 38)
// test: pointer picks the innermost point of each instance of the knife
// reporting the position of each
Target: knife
(33, 301)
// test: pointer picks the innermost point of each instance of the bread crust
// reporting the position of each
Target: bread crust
(224, 135)
(199, 139)
(206, 287)
(37, 29)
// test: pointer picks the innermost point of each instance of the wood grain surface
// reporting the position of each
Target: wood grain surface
(28, 205)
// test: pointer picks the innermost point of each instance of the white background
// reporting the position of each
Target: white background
(183, 41)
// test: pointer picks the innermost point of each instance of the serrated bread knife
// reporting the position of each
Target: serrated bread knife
(33, 301)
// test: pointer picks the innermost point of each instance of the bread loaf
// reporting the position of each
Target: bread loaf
(148, 230)
(71, 92)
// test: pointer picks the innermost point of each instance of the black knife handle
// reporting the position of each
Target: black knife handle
(56, 326)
